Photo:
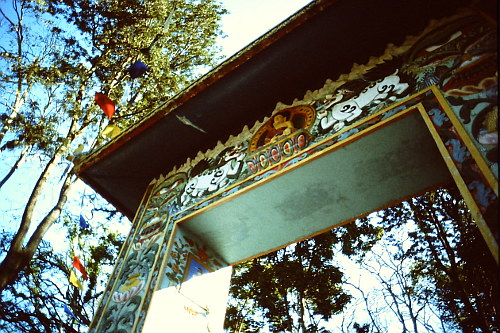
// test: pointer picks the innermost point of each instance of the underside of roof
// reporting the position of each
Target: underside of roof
(320, 42)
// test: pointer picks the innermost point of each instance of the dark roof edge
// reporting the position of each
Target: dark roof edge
(226, 67)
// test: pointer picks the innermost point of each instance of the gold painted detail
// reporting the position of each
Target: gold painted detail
(285, 134)
(275, 152)
(282, 124)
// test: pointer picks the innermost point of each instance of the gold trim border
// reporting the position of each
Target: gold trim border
(476, 155)
(459, 181)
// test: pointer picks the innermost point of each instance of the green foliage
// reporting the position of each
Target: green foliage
(114, 34)
(358, 237)
(76, 48)
(300, 280)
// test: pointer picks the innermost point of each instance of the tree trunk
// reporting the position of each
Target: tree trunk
(302, 323)
(18, 257)
(10, 267)
(300, 290)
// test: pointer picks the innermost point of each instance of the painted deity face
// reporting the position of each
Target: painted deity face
(278, 119)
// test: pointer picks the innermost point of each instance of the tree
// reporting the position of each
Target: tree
(294, 289)
(431, 267)
(86, 47)
(35, 302)
(453, 255)
(394, 296)
(54, 56)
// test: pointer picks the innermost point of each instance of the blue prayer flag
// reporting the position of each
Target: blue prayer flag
(137, 69)
(83, 223)
(68, 311)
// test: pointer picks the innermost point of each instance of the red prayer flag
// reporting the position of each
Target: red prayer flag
(106, 104)
(79, 266)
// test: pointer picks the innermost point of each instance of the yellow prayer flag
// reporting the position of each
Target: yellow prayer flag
(111, 132)
(74, 280)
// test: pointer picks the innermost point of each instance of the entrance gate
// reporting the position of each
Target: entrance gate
(421, 115)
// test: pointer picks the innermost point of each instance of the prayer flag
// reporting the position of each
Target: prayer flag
(69, 312)
(74, 280)
(106, 104)
(137, 69)
(79, 266)
(111, 132)
(83, 223)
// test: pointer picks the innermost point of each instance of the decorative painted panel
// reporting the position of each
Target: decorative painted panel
(136, 273)
(185, 253)
(469, 170)
(453, 55)
(461, 59)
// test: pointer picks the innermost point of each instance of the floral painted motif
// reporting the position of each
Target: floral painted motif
(129, 289)
(135, 273)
